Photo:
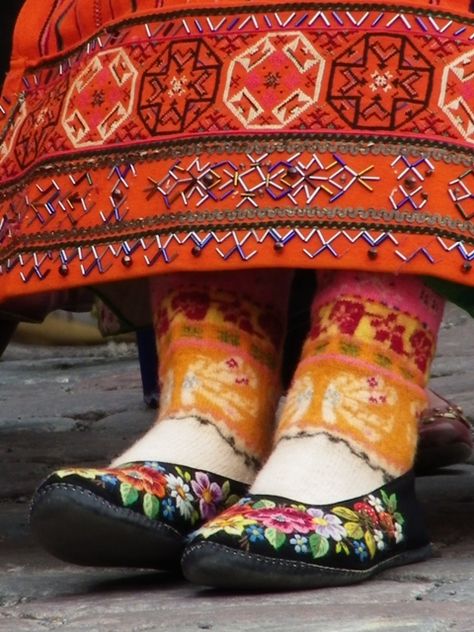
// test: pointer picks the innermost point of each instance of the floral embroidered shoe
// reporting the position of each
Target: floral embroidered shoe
(275, 543)
(134, 515)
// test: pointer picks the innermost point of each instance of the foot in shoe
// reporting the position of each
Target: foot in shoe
(220, 352)
(136, 515)
(267, 542)
(348, 427)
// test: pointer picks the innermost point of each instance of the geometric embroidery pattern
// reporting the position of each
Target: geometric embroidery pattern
(456, 94)
(8, 140)
(272, 157)
(255, 79)
(41, 119)
(110, 78)
(380, 82)
(461, 191)
(179, 86)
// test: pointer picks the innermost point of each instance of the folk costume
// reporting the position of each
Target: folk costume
(205, 150)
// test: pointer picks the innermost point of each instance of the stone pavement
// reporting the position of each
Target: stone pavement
(82, 405)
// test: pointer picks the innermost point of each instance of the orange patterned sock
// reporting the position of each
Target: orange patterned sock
(219, 339)
(349, 423)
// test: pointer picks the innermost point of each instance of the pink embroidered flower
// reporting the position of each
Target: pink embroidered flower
(422, 344)
(286, 519)
(209, 495)
(193, 303)
(389, 330)
(347, 314)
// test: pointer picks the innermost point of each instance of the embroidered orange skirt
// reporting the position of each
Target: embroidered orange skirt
(143, 137)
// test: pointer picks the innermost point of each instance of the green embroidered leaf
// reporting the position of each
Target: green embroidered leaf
(399, 518)
(370, 541)
(187, 477)
(264, 504)
(338, 547)
(128, 493)
(151, 506)
(231, 500)
(299, 507)
(276, 538)
(354, 530)
(346, 514)
(225, 489)
(345, 548)
(180, 471)
(392, 504)
(319, 545)
(195, 517)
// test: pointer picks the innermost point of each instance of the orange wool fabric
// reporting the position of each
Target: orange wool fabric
(372, 410)
(143, 137)
(363, 372)
(220, 359)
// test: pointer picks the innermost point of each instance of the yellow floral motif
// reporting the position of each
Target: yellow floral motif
(366, 410)
(228, 384)
(365, 403)
(226, 388)
(233, 525)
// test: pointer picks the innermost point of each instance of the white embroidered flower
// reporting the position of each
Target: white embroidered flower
(181, 492)
(398, 533)
(376, 503)
(327, 525)
(379, 540)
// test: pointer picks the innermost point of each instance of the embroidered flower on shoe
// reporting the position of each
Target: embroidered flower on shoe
(255, 533)
(360, 550)
(284, 519)
(326, 524)
(300, 543)
(142, 479)
(209, 495)
(169, 509)
(379, 539)
(361, 529)
(376, 503)
(180, 491)
(230, 524)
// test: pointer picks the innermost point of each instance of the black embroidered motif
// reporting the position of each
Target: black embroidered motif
(181, 84)
(380, 82)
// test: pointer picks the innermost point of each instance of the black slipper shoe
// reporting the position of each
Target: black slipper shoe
(272, 543)
(137, 515)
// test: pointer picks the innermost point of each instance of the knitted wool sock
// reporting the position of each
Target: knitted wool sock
(349, 423)
(219, 340)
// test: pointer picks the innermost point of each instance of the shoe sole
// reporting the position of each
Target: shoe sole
(216, 565)
(80, 527)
